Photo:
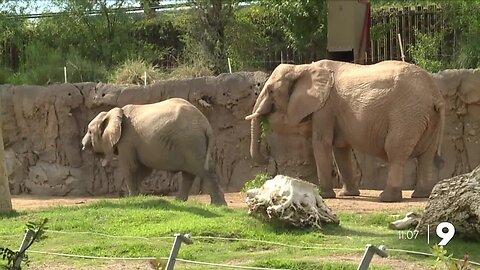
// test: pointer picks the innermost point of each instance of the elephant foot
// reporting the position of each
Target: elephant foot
(391, 195)
(421, 193)
(349, 192)
(328, 193)
(219, 202)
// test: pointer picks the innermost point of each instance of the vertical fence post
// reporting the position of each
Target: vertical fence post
(65, 73)
(26, 240)
(369, 252)
(179, 239)
(401, 47)
(145, 76)
(229, 65)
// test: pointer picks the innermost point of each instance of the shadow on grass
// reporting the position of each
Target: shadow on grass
(327, 229)
(12, 214)
(154, 202)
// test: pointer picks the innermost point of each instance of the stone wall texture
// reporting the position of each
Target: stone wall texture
(43, 127)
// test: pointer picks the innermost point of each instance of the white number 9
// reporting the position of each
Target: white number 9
(446, 237)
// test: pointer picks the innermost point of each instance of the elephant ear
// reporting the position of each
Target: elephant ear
(309, 92)
(111, 127)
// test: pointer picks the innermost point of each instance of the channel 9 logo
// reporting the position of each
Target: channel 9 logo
(444, 230)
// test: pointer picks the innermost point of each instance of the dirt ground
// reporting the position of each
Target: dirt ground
(365, 203)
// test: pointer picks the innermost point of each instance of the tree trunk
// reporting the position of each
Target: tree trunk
(5, 199)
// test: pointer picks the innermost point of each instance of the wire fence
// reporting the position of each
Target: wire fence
(194, 262)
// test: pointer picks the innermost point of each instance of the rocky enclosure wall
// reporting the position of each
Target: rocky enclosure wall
(43, 127)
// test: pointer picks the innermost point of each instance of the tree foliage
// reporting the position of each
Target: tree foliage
(303, 23)
(94, 38)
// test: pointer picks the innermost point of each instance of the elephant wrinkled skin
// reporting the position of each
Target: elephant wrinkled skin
(171, 135)
(391, 110)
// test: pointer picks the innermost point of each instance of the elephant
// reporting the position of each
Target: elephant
(391, 110)
(171, 135)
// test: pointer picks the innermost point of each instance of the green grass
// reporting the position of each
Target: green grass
(154, 217)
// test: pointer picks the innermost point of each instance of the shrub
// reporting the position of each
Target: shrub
(82, 69)
(190, 71)
(41, 65)
(446, 262)
(425, 53)
(257, 182)
(133, 72)
(5, 74)
(12, 256)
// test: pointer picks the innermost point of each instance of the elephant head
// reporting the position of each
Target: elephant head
(295, 91)
(103, 134)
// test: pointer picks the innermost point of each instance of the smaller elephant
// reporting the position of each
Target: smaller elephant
(171, 135)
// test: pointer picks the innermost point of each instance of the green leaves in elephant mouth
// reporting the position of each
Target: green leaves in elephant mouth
(265, 127)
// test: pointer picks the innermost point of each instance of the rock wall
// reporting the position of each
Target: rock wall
(43, 127)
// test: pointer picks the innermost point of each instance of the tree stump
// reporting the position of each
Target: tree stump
(455, 200)
(290, 201)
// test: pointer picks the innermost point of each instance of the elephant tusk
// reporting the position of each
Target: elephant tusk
(251, 116)
(83, 147)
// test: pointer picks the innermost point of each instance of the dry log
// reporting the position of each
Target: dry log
(455, 200)
(291, 201)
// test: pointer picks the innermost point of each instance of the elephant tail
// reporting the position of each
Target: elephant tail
(208, 156)
(438, 158)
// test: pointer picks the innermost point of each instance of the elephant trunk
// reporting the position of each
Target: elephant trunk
(87, 141)
(255, 142)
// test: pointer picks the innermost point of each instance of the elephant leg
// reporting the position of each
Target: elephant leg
(322, 150)
(393, 189)
(399, 145)
(322, 142)
(425, 181)
(185, 186)
(343, 159)
(132, 185)
(217, 196)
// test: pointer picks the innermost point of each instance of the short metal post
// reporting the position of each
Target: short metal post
(179, 239)
(367, 257)
(26, 240)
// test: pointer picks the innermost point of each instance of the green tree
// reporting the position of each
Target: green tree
(303, 22)
(205, 36)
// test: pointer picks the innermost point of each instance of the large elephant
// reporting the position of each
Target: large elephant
(171, 135)
(391, 110)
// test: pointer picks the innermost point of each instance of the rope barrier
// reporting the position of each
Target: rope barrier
(426, 254)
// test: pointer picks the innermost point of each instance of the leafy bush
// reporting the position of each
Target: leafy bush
(190, 71)
(5, 74)
(133, 72)
(12, 256)
(425, 53)
(82, 69)
(257, 182)
(41, 65)
(445, 261)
